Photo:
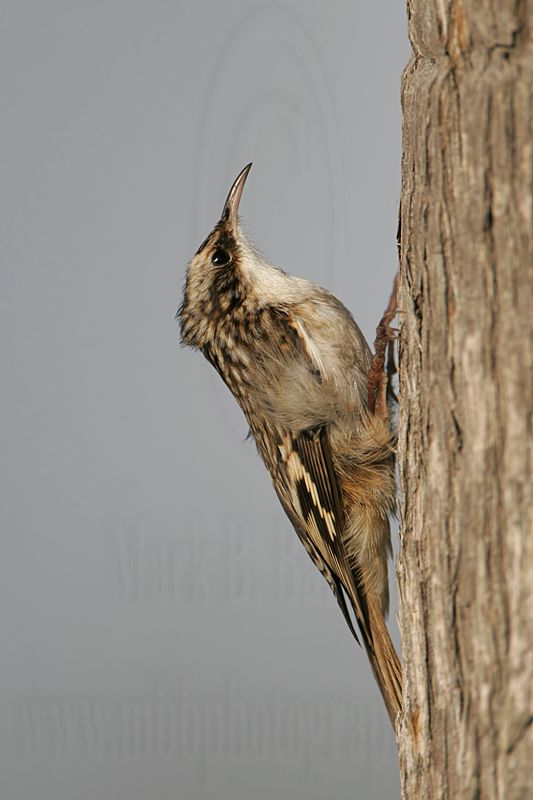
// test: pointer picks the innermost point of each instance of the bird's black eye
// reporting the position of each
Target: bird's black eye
(220, 258)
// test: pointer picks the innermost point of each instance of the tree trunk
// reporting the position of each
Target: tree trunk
(466, 386)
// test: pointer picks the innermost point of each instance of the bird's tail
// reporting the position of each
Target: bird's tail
(384, 660)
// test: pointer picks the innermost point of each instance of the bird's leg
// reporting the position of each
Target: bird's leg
(379, 376)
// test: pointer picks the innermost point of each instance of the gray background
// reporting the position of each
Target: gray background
(163, 632)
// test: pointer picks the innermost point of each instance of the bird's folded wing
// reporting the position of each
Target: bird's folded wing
(331, 579)
(315, 500)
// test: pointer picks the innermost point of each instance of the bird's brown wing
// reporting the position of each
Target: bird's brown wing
(306, 483)
(311, 496)
(316, 503)
(314, 553)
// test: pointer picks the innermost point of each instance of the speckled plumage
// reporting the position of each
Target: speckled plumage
(298, 366)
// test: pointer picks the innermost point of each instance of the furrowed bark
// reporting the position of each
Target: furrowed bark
(466, 393)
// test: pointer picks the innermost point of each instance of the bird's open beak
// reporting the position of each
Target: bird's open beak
(231, 206)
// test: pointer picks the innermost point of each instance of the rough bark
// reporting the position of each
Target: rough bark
(466, 387)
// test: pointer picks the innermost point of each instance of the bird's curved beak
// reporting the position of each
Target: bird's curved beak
(231, 206)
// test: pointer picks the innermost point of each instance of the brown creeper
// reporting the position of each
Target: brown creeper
(298, 366)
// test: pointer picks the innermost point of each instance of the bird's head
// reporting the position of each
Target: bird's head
(217, 276)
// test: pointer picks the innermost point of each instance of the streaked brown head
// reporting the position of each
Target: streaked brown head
(213, 285)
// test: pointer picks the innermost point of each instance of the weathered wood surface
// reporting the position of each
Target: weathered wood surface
(466, 387)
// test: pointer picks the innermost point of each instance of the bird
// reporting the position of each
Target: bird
(305, 378)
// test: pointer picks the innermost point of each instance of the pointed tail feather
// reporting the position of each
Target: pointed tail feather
(384, 660)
